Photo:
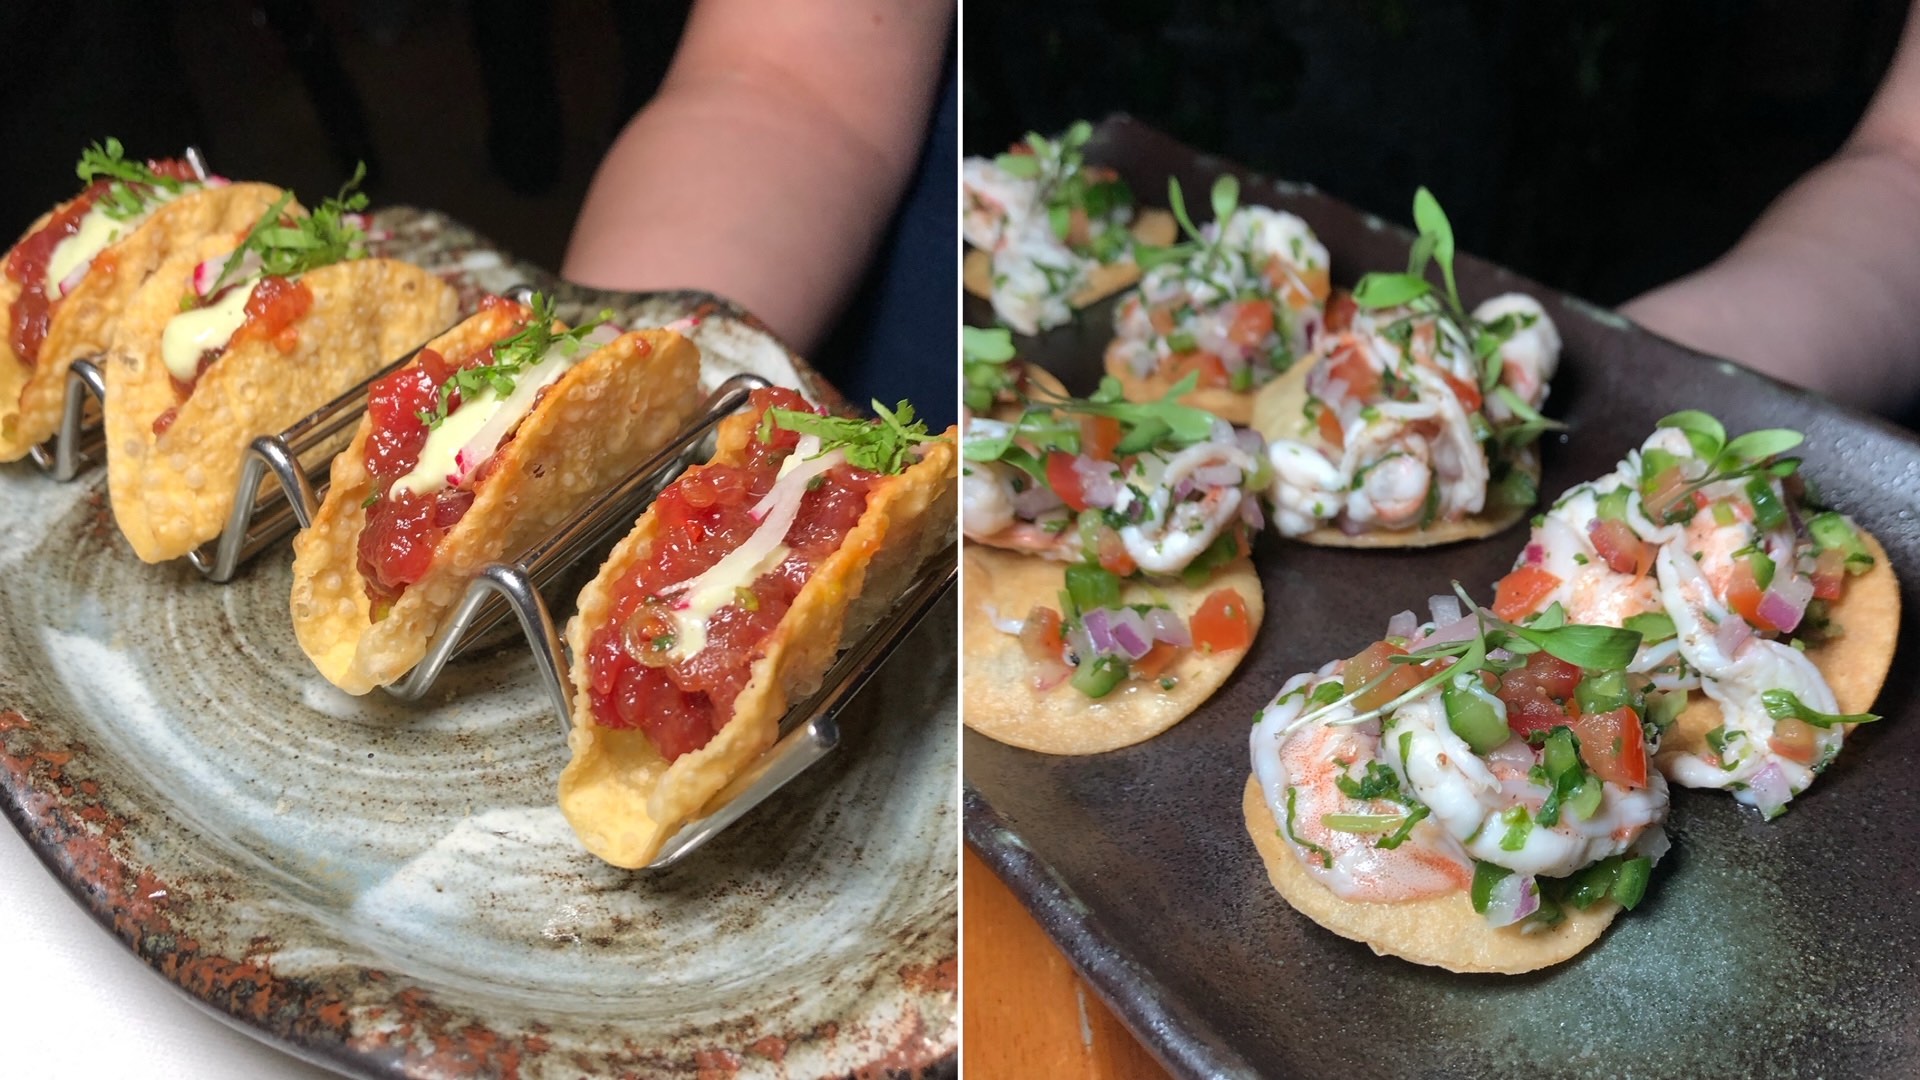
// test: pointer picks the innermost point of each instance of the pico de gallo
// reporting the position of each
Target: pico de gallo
(1047, 219)
(1416, 411)
(734, 543)
(52, 261)
(254, 292)
(1469, 753)
(1235, 306)
(435, 428)
(1706, 546)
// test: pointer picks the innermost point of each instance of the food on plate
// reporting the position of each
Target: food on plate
(1468, 792)
(69, 278)
(727, 603)
(1108, 586)
(237, 335)
(494, 434)
(1777, 619)
(1050, 232)
(994, 381)
(1238, 305)
(1415, 422)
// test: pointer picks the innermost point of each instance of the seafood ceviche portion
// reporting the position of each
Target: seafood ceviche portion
(1052, 231)
(1233, 307)
(1497, 768)
(1416, 418)
(1706, 546)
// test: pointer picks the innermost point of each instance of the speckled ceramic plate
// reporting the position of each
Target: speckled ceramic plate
(389, 889)
(1780, 949)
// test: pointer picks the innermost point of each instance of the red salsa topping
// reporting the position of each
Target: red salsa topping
(272, 312)
(32, 310)
(700, 518)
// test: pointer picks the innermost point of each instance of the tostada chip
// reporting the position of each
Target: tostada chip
(1414, 422)
(69, 278)
(1234, 308)
(497, 431)
(1108, 589)
(1049, 232)
(1778, 620)
(240, 335)
(727, 602)
(1468, 793)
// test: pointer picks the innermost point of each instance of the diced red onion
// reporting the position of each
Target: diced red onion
(1250, 513)
(1458, 630)
(1099, 631)
(1536, 554)
(1034, 501)
(1250, 440)
(1167, 627)
(683, 326)
(1770, 790)
(1403, 625)
(603, 334)
(1130, 633)
(1445, 609)
(1512, 898)
(1499, 656)
(1733, 633)
(72, 281)
(1222, 431)
(1785, 601)
(1097, 482)
(1221, 475)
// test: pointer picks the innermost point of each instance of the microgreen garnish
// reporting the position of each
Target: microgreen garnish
(1144, 425)
(289, 246)
(877, 446)
(1782, 704)
(1066, 185)
(1748, 455)
(131, 191)
(512, 356)
(1379, 782)
(986, 368)
(1225, 199)
(1326, 857)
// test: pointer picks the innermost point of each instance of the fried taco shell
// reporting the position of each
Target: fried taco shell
(1000, 700)
(599, 420)
(1155, 228)
(1441, 931)
(620, 794)
(173, 491)
(83, 322)
(1277, 413)
(1855, 664)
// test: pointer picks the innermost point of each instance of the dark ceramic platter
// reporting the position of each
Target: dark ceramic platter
(1764, 949)
(389, 890)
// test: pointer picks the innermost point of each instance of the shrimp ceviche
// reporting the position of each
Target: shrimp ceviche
(1054, 229)
(1472, 756)
(1706, 547)
(1414, 414)
(1233, 308)
(1117, 490)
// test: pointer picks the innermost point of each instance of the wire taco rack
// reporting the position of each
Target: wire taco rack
(299, 458)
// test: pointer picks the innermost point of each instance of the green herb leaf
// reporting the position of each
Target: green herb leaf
(1596, 648)
(1376, 291)
(1432, 221)
(1757, 446)
(1653, 627)
(1225, 198)
(1706, 434)
(1782, 704)
(512, 356)
(287, 247)
(877, 446)
(134, 180)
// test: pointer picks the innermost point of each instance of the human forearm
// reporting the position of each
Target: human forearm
(765, 178)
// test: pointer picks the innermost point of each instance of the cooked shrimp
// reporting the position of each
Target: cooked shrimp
(1530, 356)
(1175, 526)
(986, 498)
(1307, 488)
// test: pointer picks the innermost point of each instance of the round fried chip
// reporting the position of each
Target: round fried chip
(173, 491)
(622, 797)
(84, 321)
(1855, 663)
(1154, 228)
(1440, 931)
(1000, 699)
(1279, 412)
(590, 428)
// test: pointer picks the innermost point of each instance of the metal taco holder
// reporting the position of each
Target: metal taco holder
(512, 590)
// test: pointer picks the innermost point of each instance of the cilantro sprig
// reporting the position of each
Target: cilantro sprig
(127, 197)
(512, 356)
(878, 446)
(288, 246)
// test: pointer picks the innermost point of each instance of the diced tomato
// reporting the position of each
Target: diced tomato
(1340, 311)
(1212, 369)
(1534, 695)
(1162, 320)
(275, 305)
(1351, 367)
(1830, 574)
(1113, 554)
(1620, 547)
(1370, 664)
(1468, 392)
(1793, 739)
(1744, 595)
(1252, 322)
(1221, 623)
(1156, 661)
(1612, 746)
(1330, 429)
(1040, 635)
(1064, 481)
(1098, 436)
(1522, 592)
(1534, 713)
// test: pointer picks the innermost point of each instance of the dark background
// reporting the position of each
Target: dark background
(493, 111)
(1599, 147)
